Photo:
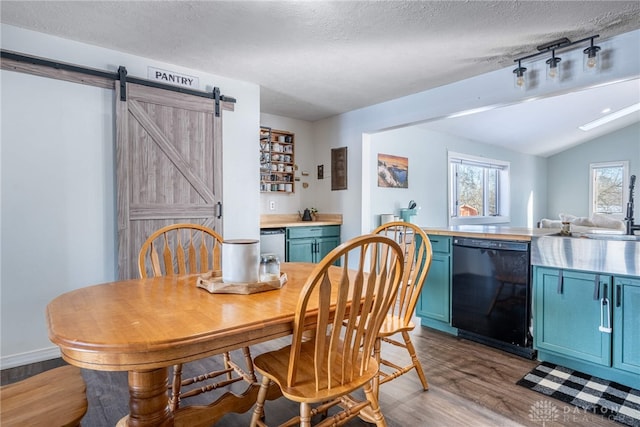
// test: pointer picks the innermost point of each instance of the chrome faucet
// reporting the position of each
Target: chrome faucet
(629, 218)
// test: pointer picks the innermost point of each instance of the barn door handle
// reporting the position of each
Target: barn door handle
(219, 210)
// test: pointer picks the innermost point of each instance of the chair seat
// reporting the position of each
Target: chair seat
(394, 324)
(274, 365)
(53, 398)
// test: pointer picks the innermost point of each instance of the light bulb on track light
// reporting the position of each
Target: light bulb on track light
(553, 72)
(591, 62)
(519, 80)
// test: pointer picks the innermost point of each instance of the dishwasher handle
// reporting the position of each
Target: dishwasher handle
(270, 231)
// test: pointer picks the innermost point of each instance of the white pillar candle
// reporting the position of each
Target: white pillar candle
(240, 261)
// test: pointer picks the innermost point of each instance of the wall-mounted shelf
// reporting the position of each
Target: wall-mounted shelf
(277, 162)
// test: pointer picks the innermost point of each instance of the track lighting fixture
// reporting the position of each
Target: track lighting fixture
(553, 69)
(591, 57)
(518, 73)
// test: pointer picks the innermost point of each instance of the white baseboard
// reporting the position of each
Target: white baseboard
(26, 358)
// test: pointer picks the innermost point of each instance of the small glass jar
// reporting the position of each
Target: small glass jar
(269, 267)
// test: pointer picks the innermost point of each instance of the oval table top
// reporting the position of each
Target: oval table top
(155, 322)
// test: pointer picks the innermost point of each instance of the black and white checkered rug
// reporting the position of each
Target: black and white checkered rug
(591, 396)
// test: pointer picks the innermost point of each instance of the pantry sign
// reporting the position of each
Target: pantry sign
(173, 78)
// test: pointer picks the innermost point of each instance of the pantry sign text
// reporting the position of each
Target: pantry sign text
(173, 78)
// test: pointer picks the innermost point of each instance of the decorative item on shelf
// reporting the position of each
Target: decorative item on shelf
(553, 70)
(277, 156)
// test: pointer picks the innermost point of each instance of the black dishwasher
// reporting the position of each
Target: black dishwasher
(491, 293)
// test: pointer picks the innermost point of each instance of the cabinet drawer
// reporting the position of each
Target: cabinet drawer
(319, 231)
(441, 244)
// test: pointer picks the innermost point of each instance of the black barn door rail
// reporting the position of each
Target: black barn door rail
(121, 75)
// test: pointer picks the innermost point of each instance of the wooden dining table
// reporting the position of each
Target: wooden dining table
(143, 326)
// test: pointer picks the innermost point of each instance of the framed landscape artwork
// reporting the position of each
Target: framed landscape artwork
(393, 171)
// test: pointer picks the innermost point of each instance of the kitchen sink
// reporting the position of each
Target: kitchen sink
(601, 236)
(609, 253)
(604, 236)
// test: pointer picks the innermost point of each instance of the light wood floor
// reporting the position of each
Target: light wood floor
(470, 385)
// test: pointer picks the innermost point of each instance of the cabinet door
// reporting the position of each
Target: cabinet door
(626, 324)
(434, 301)
(324, 246)
(300, 250)
(568, 313)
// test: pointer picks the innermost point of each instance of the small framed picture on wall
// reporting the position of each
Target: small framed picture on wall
(339, 168)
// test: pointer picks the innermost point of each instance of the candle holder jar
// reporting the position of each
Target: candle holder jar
(269, 267)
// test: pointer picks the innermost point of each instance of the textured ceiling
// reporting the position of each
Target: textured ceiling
(315, 59)
(320, 58)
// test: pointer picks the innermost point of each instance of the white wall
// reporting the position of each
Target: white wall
(58, 204)
(287, 203)
(428, 176)
(354, 128)
(568, 180)
(58, 233)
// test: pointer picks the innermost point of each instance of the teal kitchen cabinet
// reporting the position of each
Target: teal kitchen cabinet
(568, 310)
(434, 303)
(588, 322)
(626, 324)
(311, 244)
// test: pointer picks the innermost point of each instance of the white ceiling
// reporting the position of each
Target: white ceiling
(315, 59)
(547, 126)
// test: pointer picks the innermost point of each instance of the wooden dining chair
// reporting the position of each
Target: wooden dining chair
(181, 249)
(417, 256)
(57, 397)
(322, 372)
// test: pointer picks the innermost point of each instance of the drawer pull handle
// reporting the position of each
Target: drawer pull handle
(596, 288)
(560, 281)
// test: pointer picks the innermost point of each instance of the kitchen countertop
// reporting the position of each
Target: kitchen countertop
(293, 220)
(499, 232)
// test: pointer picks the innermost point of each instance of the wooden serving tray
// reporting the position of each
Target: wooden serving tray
(213, 283)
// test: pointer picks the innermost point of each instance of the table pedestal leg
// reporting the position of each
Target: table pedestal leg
(148, 399)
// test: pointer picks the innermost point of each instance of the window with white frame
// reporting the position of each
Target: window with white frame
(478, 190)
(606, 188)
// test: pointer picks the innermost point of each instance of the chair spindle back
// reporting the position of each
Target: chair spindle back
(343, 347)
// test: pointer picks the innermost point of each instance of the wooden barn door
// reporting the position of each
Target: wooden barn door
(169, 166)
